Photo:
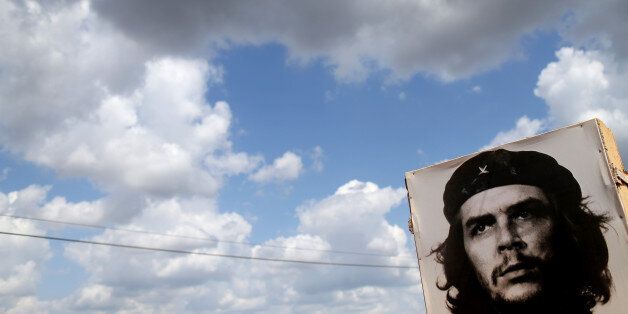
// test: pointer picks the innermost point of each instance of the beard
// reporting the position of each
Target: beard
(554, 295)
(529, 289)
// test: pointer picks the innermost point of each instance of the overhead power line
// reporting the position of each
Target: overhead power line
(199, 238)
(157, 249)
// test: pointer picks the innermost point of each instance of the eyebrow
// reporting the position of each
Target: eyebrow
(525, 204)
(478, 219)
(511, 209)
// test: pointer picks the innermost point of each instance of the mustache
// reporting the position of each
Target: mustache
(520, 262)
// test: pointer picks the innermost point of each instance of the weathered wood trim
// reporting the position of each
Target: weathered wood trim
(616, 165)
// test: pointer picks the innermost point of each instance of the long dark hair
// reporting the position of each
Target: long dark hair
(580, 267)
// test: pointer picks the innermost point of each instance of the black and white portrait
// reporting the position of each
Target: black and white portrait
(531, 227)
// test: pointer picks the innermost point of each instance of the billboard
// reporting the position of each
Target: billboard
(534, 225)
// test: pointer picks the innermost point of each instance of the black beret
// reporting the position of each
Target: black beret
(503, 167)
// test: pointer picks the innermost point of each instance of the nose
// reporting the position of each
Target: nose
(509, 239)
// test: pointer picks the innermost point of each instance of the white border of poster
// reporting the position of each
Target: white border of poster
(578, 148)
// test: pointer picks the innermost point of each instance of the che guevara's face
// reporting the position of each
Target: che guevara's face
(507, 232)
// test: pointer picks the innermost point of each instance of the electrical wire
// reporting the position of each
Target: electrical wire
(157, 249)
(200, 238)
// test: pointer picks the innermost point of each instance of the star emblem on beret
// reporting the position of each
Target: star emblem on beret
(483, 170)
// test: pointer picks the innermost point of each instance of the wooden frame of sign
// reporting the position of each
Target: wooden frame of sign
(616, 166)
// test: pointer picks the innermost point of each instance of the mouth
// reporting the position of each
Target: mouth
(519, 272)
(515, 268)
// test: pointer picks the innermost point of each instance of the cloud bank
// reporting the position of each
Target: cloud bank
(449, 40)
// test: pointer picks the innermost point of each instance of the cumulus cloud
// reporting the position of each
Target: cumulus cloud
(351, 219)
(153, 141)
(128, 280)
(285, 168)
(149, 281)
(525, 127)
(33, 201)
(57, 64)
(86, 100)
(355, 38)
(21, 268)
(362, 203)
(588, 79)
(582, 85)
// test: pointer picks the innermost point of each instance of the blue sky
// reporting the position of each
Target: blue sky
(285, 125)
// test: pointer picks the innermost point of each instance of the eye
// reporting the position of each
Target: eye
(528, 210)
(522, 214)
(479, 228)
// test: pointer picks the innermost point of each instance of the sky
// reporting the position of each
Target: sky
(267, 129)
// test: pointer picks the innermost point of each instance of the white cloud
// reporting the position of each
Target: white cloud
(21, 268)
(82, 212)
(401, 96)
(364, 205)
(582, 85)
(285, 168)
(158, 137)
(26, 200)
(589, 79)
(32, 201)
(28, 304)
(57, 63)
(131, 280)
(351, 219)
(476, 89)
(85, 100)
(525, 127)
(94, 297)
(232, 163)
(153, 141)
(128, 280)
(299, 247)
